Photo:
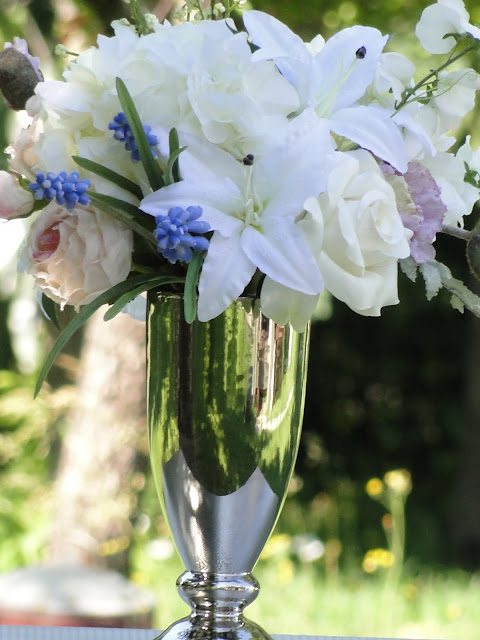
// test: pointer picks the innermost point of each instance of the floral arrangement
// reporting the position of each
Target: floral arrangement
(219, 159)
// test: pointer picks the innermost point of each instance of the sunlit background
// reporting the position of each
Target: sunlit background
(380, 534)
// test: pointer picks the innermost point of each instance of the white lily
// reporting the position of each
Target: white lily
(252, 210)
(331, 80)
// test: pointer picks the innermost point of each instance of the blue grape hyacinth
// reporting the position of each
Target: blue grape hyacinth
(173, 233)
(123, 132)
(67, 190)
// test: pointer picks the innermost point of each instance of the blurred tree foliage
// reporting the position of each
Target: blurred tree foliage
(383, 392)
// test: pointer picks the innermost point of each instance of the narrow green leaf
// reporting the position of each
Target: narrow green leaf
(48, 305)
(139, 19)
(110, 175)
(82, 316)
(128, 214)
(172, 172)
(173, 167)
(152, 169)
(191, 281)
(133, 293)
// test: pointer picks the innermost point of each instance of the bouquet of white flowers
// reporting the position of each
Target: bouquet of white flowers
(218, 161)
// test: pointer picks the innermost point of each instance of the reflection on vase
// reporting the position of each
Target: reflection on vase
(225, 403)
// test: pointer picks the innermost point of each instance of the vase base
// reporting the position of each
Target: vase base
(217, 601)
(185, 629)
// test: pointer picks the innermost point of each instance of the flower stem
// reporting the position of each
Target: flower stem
(433, 74)
(456, 232)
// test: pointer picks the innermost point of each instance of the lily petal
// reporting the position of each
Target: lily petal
(284, 305)
(294, 267)
(380, 135)
(338, 66)
(225, 274)
(274, 38)
(216, 197)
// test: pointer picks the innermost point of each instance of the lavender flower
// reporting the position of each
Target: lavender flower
(123, 133)
(429, 213)
(174, 233)
(67, 190)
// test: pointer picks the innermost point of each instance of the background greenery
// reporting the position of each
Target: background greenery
(396, 392)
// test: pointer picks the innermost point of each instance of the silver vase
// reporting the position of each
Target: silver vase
(225, 406)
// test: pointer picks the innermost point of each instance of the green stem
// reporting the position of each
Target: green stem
(456, 232)
(228, 8)
(451, 60)
(199, 5)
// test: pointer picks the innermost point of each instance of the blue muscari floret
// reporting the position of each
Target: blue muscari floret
(123, 133)
(174, 233)
(67, 190)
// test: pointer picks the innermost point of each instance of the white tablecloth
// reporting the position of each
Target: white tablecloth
(8, 632)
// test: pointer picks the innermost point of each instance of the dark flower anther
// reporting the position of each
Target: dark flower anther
(361, 53)
(248, 160)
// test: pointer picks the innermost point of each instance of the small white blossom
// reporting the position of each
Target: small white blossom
(438, 20)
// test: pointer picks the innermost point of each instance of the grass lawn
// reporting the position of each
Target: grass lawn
(298, 600)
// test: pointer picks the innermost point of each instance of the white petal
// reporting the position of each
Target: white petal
(285, 305)
(274, 37)
(365, 294)
(281, 252)
(369, 128)
(217, 199)
(404, 119)
(337, 62)
(297, 168)
(225, 274)
(204, 161)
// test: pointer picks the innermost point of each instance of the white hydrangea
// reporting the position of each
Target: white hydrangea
(199, 78)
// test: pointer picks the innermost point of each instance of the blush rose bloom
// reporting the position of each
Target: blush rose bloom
(359, 234)
(76, 256)
(14, 201)
(23, 158)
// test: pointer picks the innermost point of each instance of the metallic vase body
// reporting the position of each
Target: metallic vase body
(225, 406)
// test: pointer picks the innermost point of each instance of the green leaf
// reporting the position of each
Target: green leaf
(133, 293)
(48, 305)
(139, 19)
(172, 173)
(191, 281)
(152, 169)
(138, 221)
(108, 174)
(87, 311)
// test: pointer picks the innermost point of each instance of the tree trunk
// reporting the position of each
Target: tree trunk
(97, 481)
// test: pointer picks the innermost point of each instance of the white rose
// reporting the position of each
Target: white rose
(14, 200)
(437, 20)
(75, 256)
(359, 234)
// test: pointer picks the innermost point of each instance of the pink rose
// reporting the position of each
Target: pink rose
(23, 158)
(14, 201)
(75, 256)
